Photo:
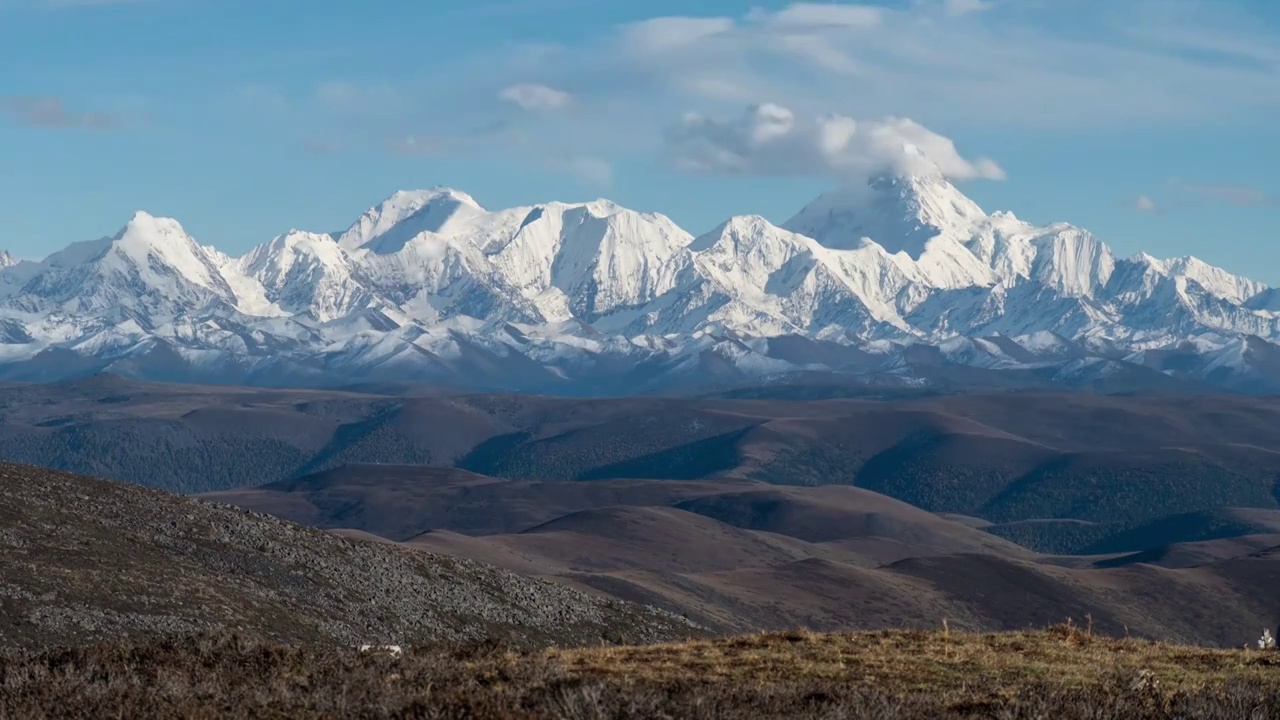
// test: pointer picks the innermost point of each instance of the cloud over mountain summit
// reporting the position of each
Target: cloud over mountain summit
(769, 139)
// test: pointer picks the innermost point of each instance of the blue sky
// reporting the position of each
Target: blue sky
(1150, 122)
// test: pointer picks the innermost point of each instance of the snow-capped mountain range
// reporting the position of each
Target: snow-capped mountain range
(903, 281)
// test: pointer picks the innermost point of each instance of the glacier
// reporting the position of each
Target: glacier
(901, 282)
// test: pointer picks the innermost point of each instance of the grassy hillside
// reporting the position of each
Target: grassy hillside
(1063, 673)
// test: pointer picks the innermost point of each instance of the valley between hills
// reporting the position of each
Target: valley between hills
(1149, 515)
(808, 553)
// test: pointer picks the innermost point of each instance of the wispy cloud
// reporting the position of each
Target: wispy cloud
(807, 15)
(414, 145)
(1190, 195)
(52, 112)
(1144, 204)
(1006, 65)
(953, 66)
(956, 8)
(1234, 195)
(535, 97)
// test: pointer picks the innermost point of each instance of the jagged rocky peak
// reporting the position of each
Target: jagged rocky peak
(7, 259)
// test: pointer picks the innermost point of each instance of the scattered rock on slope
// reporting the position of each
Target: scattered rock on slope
(83, 559)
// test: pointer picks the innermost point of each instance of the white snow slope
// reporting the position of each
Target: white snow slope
(592, 297)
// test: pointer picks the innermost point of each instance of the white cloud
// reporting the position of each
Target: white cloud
(1012, 66)
(820, 15)
(956, 8)
(770, 139)
(658, 35)
(1145, 204)
(531, 96)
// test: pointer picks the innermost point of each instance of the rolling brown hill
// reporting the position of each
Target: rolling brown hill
(739, 556)
(1006, 457)
(402, 501)
(744, 512)
(1217, 602)
(86, 560)
(1196, 554)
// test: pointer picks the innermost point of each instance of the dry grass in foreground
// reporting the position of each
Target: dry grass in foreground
(1061, 673)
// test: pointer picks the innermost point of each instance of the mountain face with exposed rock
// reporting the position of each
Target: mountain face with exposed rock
(898, 282)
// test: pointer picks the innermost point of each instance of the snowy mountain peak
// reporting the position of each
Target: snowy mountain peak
(922, 217)
(436, 194)
(1215, 280)
(159, 253)
(738, 226)
(604, 207)
(283, 248)
(303, 273)
(151, 268)
(162, 237)
(7, 260)
(144, 224)
(386, 228)
(429, 286)
(303, 237)
(901, 213)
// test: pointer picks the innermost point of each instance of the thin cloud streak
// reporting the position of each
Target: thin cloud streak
(52, 112)
(1234, 195)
